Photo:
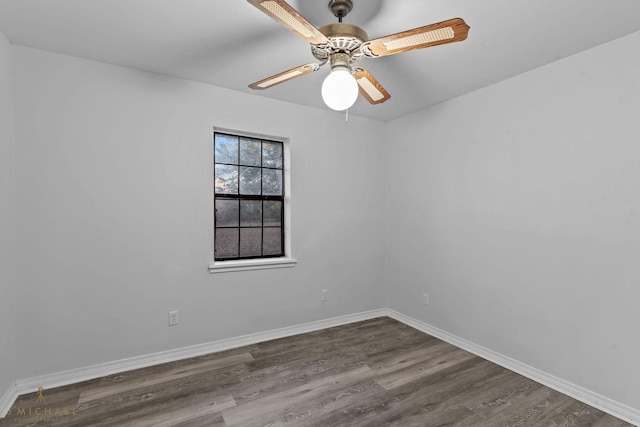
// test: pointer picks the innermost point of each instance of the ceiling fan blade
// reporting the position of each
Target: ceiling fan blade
(285, 76)
(282, 12)
(369, 87)
(452, 30)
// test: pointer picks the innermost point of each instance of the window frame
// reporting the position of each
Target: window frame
(268, 262)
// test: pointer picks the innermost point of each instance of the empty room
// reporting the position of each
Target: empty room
(319, 213)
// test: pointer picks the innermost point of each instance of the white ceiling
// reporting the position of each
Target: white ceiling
(231, 43)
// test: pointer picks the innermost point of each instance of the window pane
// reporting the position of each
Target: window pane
(250, 241)
(226, 148)
(226, 179)
(251, 213)
(227, 213)
(272, 182)
(250, 180)
(272, 213)
(250, 152)
(226, 240)
(272, 244)
(272, 154)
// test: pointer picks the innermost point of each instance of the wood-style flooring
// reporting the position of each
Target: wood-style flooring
(373, 373)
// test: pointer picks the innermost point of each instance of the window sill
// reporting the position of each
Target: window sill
(251, 264)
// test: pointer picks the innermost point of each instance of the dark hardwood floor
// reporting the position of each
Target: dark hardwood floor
(374, 373)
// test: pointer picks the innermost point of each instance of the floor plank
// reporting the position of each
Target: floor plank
(379, 372)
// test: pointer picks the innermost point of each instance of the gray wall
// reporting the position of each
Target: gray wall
(7, 221)
(518, 212)
(115, 214)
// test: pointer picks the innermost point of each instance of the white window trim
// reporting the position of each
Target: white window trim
(286, 261)
(251, 264)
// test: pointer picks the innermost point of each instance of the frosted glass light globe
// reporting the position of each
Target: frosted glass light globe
(339, 90)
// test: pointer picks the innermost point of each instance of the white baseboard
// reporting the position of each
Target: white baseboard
(602, 403)
(29, 385)
(90, 372)
(7, 400)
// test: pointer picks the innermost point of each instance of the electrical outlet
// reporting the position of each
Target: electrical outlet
(425, 299)
(173, 318)
(325, 295)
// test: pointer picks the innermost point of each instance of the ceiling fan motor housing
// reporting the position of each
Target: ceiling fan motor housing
(343, 38)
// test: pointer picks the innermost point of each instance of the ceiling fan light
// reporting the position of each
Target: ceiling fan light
(340, 89)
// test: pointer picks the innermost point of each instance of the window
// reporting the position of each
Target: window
(249, 199)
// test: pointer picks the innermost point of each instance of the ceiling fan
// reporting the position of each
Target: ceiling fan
(343, 45)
